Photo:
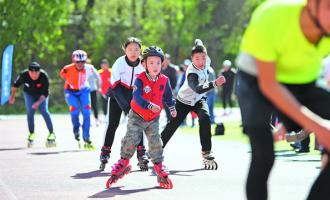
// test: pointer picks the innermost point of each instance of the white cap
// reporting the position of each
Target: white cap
(227, 63)
(186, 62)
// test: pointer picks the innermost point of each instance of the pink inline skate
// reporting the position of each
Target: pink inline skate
(119, 170)
(162, 176)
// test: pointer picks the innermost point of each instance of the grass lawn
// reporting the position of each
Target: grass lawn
(233, 132)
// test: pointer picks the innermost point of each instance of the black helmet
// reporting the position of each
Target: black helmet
(153, 51)
(34, 66)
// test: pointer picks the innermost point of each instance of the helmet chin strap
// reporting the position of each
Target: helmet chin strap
(316, 21)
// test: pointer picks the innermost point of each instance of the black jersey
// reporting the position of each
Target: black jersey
(33, 87)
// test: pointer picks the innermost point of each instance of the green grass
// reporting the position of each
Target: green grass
(233, 132)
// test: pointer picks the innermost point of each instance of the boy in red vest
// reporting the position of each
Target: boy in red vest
(150, 89)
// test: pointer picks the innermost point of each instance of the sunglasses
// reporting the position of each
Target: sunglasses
(80, 61)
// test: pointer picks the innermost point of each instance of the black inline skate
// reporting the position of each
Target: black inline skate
(208, 161)
(142, 158)
(77, 137)
(104, 157)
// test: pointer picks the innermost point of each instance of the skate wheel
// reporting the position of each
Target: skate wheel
(110, 181)
(143, 167)
(102, 166)
(211, 166)
(215, 166)
(29, 144)
(167, 185)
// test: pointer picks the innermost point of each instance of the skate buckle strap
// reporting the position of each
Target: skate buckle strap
(160, 169)
(208, 155)
(121, 164)
(105, 150)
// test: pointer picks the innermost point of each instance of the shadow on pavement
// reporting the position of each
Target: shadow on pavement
(116, 191)
(12, 149)
(308, 160)
(55, 152)
(284, 151)
(179, 172)
(97, 173)
(92, 174)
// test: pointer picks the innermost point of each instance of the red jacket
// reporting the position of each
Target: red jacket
(105, 77)
(147, 91)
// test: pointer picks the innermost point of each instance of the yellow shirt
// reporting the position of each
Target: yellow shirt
(274, 35)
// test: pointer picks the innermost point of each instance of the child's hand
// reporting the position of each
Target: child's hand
(35, 105)
(173, 113)
(155, 108)
(220, 80)
(11, 100)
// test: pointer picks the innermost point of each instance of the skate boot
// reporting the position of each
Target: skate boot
(30, 140)
(77, 137)
(297, 137)
(119, 170)
(51, 140)
(142, 158)
(104, 157)
(208, 161)
(88, 146)
(162, 176)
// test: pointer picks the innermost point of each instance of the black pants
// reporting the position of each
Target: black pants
(113, 123)
(226, 96)
(256, 111)
(201, 108)
(168, 113)
(94, 103)
(104, 105)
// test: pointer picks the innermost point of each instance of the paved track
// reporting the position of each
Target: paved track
(66, 172)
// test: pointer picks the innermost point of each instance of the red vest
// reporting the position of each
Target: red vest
(152, 92)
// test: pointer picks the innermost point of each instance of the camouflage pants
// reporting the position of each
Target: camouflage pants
(135, 127)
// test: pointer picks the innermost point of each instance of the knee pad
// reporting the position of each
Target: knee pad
(86, 110)
(74, 110)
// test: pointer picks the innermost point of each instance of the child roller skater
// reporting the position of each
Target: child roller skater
(192, 97)
(150, 89)
(124, 71)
